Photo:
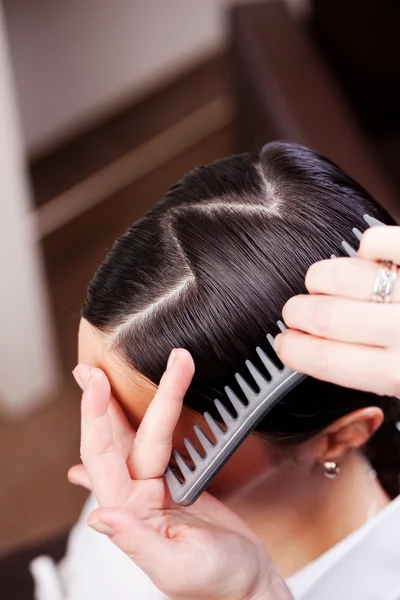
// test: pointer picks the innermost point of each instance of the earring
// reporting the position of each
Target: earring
(331, 469)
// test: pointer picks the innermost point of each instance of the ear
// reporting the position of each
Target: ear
(347, 433)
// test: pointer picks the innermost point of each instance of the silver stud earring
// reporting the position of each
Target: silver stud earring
(331, 469)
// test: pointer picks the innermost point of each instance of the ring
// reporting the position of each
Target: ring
(384, 282)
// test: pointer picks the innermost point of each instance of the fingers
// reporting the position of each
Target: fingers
(123, 434)
(77, 475)
(341, 337)
(153, 443)
(344, 320)
(360, 367)
(103, 426)
(381, 243)
(346, 277)
(104, 461)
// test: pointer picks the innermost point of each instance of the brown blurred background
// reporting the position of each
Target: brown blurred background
(116, 101)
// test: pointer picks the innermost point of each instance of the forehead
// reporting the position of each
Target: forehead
(133, 391)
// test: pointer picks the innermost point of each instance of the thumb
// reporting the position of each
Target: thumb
(134, 537)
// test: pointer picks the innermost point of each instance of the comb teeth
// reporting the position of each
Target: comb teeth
(246, 389)
(182, 464)
(174, 485)
(259, 404)
(203, 439)
(235, 400)
(256, 375)
(348, 248)
(266, 361)
(372, 222)
(225, 414)
(213, 425)
(237, 428)
(194, 455)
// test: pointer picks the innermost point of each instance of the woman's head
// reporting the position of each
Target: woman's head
(210, 268)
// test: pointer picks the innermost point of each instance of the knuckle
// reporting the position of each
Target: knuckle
(320, 360)
(104, 449)
(336, 274)
(322, 318)
(331, 277)
(371, 237)
(343, 276)
(96, 448)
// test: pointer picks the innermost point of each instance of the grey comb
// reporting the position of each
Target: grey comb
(191, 482)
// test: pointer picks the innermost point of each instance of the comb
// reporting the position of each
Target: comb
(186, 485)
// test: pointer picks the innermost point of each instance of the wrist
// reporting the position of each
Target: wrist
(273, 587)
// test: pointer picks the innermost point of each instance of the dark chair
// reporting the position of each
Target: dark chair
(299, 81)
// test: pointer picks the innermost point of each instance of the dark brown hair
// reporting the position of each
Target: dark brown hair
(210, 268)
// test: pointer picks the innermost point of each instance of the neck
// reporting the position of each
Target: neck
(299, 520)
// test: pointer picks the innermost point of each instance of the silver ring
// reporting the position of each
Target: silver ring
(384, 282)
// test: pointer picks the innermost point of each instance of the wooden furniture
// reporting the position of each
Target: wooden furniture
(286, 88)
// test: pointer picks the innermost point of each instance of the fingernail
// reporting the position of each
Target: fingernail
(278, 343)
(101, 527)
(81, 375)
(171, 359)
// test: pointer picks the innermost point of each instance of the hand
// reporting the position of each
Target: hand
(338, 334)
(203, 551)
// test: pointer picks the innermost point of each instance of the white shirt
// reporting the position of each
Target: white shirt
(92, 569)
(364, 566)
